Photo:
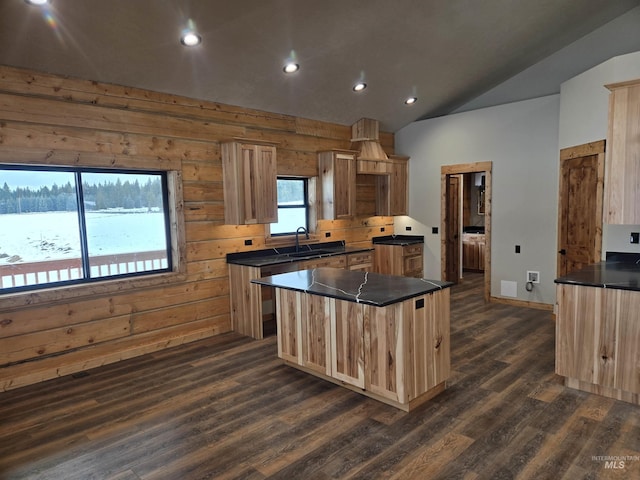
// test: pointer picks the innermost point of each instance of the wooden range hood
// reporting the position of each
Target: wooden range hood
(365, 139)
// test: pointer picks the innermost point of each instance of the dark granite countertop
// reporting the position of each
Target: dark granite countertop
(274, 256)
(361, 287)
(610, 274)
(401, 240)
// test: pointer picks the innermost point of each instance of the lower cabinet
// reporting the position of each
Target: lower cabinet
(398, 354)
(403, 260)
(253, 306)
(473, 251)
(598, 340)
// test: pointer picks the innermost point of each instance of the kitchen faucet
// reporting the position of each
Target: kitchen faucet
(298, 231)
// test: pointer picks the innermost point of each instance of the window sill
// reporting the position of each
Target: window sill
(94, 289)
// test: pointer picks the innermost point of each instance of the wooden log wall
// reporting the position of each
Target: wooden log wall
(53, 120)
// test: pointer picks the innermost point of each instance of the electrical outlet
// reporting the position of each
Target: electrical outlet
(517, 248)
(533, 277)
(407, 229)
(248, 242)
(327, 234)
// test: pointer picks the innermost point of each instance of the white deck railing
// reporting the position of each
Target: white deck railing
(50, 271)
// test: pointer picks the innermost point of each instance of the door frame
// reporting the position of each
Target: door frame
(445, 172)
(585, 150)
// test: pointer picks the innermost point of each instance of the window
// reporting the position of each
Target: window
(63, 226)
(293, 211)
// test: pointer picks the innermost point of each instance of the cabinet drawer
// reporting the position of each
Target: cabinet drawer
(358, 261)
(338, 261)
(412, 250)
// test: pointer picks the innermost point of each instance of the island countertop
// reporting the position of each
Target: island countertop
(361, 287)
(618, 275)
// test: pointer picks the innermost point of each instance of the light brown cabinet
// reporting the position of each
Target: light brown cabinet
(598, 340)
(473, 251)
(392, 192)
(250, 182)
(622, 164)
(399, 354)
(404, 260)
(337, 170)
(362, 262)
(253, 306)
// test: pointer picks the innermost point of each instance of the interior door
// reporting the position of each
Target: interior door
(453, 228)
(580, 206)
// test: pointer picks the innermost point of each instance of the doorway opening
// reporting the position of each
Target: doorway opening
(466, 222)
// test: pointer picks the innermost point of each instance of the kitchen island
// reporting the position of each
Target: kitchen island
(380, 335)
(597, 328)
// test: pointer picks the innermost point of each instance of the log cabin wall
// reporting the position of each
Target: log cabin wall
(52, 120)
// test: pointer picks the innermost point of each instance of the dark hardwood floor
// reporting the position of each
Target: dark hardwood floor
(226, 408)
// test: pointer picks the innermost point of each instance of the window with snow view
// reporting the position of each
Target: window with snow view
(292, 206)
(62, 226)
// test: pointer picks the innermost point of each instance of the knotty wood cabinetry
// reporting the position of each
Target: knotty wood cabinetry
(398, 354)
(405, 260)
(252, 306)
(362, 262)
(250, 182)
(392, 192)
(337, 169)
(622, 165)
(473, 251)
(598, 340)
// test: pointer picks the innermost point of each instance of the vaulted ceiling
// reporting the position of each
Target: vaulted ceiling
(444, 52)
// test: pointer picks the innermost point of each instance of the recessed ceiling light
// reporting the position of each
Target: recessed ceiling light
(358, 87)
(190, 39)
(37, 2)
(410, 100)
(291, 67)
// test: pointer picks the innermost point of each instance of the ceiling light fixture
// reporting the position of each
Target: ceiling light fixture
(37, 2)
(291, 67)
(360, 86)
(190, 39)
(411, 100)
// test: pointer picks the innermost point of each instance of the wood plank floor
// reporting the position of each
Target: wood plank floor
(227, 408)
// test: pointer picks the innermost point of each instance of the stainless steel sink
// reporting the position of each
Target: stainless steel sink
(309, 253)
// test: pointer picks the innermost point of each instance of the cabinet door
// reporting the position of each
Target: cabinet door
(347, 342)
(288, 318)
(344, 185)
(315, 329)
(621, 190)
(384, 332)
(260, 183)
(250, 183)
(338, 174)
(392, 191)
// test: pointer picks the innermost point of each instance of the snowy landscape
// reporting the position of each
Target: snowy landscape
(35, 237)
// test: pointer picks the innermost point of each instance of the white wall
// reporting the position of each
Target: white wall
(521, 139)
(584, 104)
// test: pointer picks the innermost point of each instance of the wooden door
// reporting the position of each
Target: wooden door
(580, 206)
(453, 229)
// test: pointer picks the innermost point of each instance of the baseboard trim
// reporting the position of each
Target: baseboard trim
(522, 303)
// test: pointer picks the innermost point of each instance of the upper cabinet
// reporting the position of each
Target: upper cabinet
(250, 182)
(337, 169)
(392, 193)
(622, 165)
